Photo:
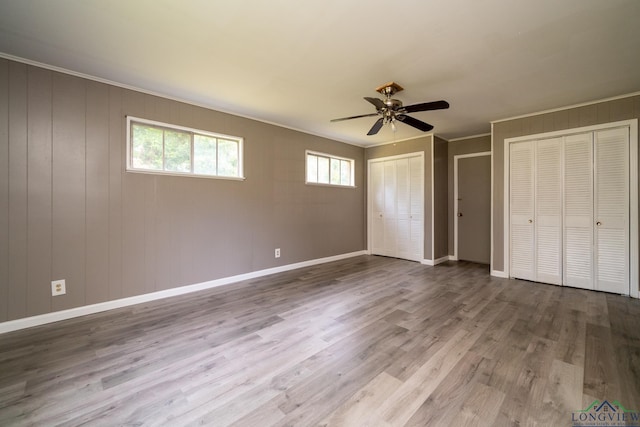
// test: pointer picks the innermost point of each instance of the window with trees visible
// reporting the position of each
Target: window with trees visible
(329, 170)
(155, 147)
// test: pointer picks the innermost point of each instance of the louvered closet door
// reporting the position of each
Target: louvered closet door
(403, 208)
(548, 208)
(390, 219)
(376, 193)
(416, 208)
(521, 196)
(611, 206)
(578, 211)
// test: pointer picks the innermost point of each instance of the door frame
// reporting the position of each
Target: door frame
(369, 198)
(455, 199)
(634, 251)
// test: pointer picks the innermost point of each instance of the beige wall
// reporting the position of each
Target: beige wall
(603, 112)
(68, 210)
(471, 145)
(405, 147)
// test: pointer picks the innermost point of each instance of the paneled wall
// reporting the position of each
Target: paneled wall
(598, 113)
(68, 209)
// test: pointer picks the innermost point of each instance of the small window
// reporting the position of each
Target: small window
(329, 170)
(155, 147)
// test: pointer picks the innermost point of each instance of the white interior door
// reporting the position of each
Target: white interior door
(611, 209)
(522, 196)
(578, 211)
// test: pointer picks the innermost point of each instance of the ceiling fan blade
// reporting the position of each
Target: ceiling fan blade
(426, 106)
(418, 124)
(376, 126)
(377, 102)
(354, 117)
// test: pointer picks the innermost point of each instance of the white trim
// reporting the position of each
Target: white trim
(470, 137)
(167, 96)
(379, 144)
(369, 198)
(491, 225)
(437, 261)
(568, 107)
(433, 198)
(501, 274)
(634, 245)
(634, 219)
(28, 322)
(455, 195)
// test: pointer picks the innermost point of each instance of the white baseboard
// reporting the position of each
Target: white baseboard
(436, 262)
(453, 258)
(501, 274)
(28, 322)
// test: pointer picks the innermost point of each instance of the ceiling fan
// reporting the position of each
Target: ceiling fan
(392, 110)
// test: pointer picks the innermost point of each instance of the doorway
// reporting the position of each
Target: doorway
(472, 207)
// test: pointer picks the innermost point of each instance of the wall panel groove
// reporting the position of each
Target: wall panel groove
(68, 209)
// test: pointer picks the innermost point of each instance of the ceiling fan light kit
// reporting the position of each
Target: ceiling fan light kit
(392, 110)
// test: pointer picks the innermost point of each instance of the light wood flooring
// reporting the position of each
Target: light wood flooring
(367, 341)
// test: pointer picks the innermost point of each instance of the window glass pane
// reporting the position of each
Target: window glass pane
(345, 172)
(312, 168)
(146, 147)
(227, 158)
(335, 171)
(177, 151)
(323, 170)
(204, 155)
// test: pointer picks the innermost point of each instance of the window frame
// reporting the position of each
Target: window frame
(352, 162)
(192, 131)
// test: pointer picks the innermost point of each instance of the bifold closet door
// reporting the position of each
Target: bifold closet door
(397, 219)
(409, 207)
(536, 210)
(376, 193)
(389, 216)
(522, 197)
(611, 210)
(578, 211)
(548, 211)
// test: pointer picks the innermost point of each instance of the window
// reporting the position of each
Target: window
(329, 170)
(155, 147)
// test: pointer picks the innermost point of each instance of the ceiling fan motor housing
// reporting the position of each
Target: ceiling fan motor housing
(393, 104)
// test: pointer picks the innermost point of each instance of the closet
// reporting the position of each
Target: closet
(569, 210)
(396, 205)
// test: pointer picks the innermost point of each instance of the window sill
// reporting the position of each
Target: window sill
(185, 175)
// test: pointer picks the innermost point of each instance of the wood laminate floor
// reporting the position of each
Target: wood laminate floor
(368, 341)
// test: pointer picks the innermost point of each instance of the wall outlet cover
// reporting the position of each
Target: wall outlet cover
(58, 287)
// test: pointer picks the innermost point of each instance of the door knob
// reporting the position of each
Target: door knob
(459, 213)
(598, 223)
(530, 221)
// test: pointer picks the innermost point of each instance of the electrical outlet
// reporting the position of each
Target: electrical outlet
(277, 252)
(58, 287)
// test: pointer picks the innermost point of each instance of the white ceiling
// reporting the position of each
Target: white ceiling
(301, 63)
